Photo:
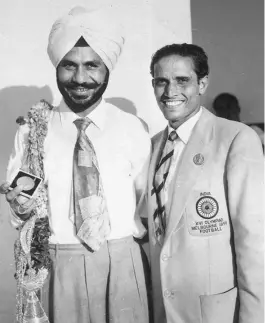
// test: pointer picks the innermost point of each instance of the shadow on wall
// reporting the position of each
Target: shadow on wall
(14, 101)
(126, 106)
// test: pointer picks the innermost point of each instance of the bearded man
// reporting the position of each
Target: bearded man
(95, 160)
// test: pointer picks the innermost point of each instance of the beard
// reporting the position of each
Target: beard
(78, 103)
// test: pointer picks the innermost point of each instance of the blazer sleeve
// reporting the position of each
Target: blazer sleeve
(245, 178)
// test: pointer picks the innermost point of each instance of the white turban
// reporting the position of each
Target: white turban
(99, 29)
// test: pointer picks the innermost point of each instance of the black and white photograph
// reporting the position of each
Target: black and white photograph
(132, 161)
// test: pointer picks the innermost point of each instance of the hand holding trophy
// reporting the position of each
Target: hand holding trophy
(19, 194)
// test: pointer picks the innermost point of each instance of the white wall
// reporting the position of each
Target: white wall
(232, 33)
(27, 76)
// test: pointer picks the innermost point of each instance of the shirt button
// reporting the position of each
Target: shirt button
(164, 257)
(167, 293)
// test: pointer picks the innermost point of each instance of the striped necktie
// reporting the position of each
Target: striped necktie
(161, 174)
(91, 214)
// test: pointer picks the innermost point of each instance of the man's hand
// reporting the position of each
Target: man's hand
(21, 205)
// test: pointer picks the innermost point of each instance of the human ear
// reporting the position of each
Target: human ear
(203, 84)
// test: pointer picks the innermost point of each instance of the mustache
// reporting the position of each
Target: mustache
(87, 86)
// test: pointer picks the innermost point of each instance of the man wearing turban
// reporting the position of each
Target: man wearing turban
(95, 161)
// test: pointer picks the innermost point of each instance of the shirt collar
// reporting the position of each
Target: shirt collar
(184, 131)
(97, 116)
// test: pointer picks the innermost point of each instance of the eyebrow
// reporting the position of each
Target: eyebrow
(186, 78)
(180, 78)
(160, 78)
(66, 61)
(94, 61)
(71, 62)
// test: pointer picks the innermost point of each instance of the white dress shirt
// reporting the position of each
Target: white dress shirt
(184, 132)
(122, 147)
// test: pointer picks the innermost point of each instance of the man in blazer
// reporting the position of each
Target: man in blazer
(205, 200)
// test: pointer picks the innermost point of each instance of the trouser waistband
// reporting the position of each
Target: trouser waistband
(77, 246)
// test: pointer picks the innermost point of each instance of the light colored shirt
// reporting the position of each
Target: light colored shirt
(184, 132)
(122, 147)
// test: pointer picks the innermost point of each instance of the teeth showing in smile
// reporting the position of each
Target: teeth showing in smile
(80, 90)
(174, 103)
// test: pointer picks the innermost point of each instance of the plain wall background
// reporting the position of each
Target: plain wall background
(231, 32)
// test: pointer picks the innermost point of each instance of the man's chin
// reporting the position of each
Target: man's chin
(171, 117)
(80, 100)
(83, 101)
(77, 105)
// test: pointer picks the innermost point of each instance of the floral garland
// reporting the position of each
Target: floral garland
(31, 248)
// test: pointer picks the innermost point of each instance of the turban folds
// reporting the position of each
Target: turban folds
(98, 28)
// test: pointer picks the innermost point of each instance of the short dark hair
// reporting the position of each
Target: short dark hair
(196, 53)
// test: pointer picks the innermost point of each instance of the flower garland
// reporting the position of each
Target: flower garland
(31, 248)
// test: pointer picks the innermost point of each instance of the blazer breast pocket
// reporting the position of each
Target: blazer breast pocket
(220, 308)
(206, 212)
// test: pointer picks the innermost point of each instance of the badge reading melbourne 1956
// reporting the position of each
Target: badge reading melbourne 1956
(207, 207)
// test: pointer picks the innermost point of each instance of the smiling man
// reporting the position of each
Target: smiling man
(93, 161)
(205, 204)
(177, 88)
(78, 91)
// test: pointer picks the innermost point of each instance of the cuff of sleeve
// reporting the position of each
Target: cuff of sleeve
(15, 220)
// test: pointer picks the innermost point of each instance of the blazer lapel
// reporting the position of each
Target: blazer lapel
(190, 167)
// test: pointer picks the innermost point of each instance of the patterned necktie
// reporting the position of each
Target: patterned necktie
(161, 174)
(91, 214)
